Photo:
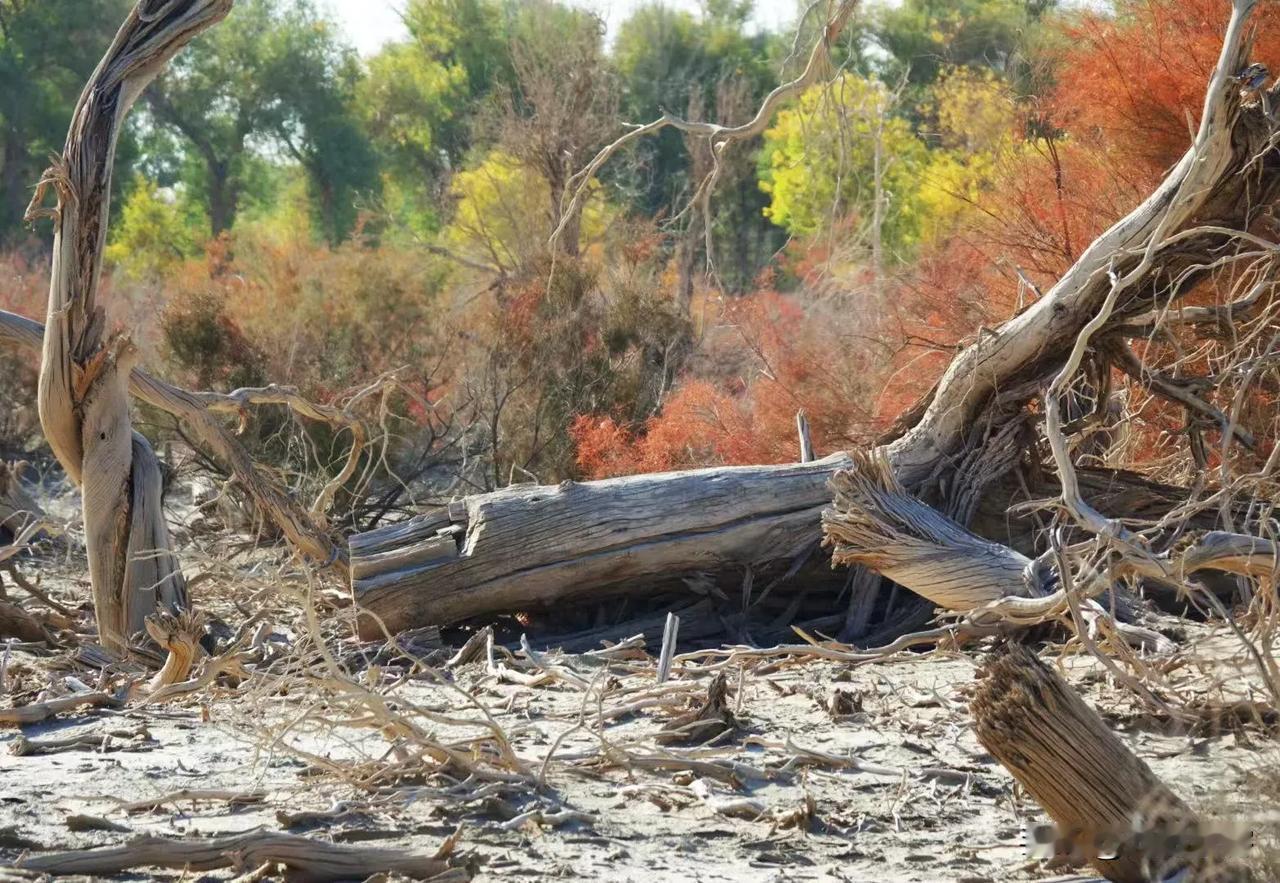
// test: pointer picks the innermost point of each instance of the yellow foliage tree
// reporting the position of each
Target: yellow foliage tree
(502, 216)
(974, 118)
(155, 232)
(838, 152)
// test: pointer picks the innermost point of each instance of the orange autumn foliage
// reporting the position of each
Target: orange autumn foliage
(1128, 91)
(765, 358)
(1137, 79)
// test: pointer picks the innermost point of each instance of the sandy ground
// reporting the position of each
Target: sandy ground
(892, 824)
(891, 787)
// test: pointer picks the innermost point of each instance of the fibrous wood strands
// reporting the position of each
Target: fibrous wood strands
(875, 523)
(1109, 807)
(84, 373)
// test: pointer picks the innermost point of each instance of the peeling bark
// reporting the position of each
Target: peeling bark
(84, 378)
(531, 547)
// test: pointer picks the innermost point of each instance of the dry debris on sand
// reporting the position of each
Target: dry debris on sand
(536, 765)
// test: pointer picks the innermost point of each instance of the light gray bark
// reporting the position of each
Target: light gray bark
(84, 376)
(530, 547)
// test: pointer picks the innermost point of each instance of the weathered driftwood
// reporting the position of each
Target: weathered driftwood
(306, 859)
(531, 546)
(84, 374)
(528, 547)
(38, 711)
(1109, 808)
(875, 523)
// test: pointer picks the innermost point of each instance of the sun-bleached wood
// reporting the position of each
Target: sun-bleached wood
(519, 548)
(199, 413)
(874, 523)
(305, 858)
(1059, 749)
(84, 375)
(532, 546)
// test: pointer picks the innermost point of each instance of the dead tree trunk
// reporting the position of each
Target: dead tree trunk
(528, 547)
(1109, 808)
(84, 374)
(525, 548)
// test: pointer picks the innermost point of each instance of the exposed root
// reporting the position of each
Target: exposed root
(180, 635)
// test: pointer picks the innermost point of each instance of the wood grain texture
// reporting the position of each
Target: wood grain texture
(1067, 758)
(532, 546)
(306, 859)
(875, 523)
(83, 386)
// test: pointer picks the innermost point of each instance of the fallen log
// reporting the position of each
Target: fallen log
(530, 547)
(1109, 807)
(306, 859)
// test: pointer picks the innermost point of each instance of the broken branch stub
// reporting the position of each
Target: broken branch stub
(1109, 807)
(875, 523)
(84, 378)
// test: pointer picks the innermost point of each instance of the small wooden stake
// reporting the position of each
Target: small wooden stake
(669, 633)
(806, 443)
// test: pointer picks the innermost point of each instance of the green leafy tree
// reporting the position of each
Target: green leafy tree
(48, 48)
(706, 67)
(421, 96)
(922, 37)
(155, 231)
(670, 60)
(272, 79)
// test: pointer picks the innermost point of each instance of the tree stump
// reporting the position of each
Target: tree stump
(1106, 802)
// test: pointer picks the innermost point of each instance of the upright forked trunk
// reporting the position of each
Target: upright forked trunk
(84, 375)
